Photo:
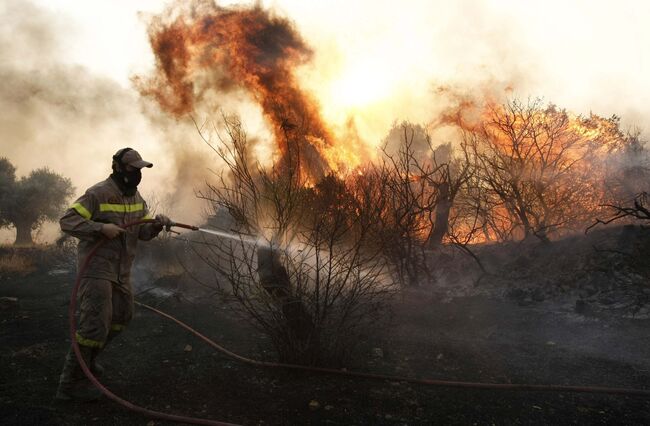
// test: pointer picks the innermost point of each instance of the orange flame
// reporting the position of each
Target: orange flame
(218, 49)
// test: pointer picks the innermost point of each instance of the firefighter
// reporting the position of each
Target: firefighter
(105, 293)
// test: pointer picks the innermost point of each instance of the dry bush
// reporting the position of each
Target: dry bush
(409, 207)
(26, 260)
(637, 209)
(15, 263)
(411, 193)
(399, 197)
(302, 266)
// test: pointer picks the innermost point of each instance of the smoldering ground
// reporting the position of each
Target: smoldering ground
(498, 330)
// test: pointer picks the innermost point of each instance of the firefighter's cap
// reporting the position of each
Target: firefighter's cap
(131, 157)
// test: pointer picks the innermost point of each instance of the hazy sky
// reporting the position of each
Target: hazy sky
(66, 68)
(585, 55)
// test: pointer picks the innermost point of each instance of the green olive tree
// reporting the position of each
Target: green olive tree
(27, 202)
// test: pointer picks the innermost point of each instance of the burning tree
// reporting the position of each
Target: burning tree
(523, 169)
(28, 202)
(536, 169)
(416, 187)
(203, 50)
(309, 277)
(436, 172)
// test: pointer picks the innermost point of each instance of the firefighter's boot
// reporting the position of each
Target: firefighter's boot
(73, 383)
(96, 368)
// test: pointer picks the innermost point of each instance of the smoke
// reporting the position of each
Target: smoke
(356, 68)
(50, 107)
(586, 59)
(206, 55)
(71, 120)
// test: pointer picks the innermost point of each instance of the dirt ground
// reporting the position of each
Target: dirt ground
(158, 365)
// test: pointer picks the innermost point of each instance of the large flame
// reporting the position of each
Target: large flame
(210, 49)
(204, 51)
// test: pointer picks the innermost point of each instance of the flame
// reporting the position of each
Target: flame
(605, 132)
(554, 149)
(476, 113)
(209, 50)
(204, 51)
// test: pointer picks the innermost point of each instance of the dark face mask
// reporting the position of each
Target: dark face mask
(132, 179)
(127, 181)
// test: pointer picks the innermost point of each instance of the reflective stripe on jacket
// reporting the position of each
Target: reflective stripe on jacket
(105, 203)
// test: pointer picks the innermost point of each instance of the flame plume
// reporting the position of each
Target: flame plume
(211, 48)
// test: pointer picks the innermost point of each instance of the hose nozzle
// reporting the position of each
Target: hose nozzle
(183, 225)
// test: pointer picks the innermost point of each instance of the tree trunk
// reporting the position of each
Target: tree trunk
(23, 234)
(441, 225)
(541, 234)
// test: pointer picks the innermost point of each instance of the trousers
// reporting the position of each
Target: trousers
(106, 307)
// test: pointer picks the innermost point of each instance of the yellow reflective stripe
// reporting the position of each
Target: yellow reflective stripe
(121, 208)
(147, 217)
(81, 210)
(88, 342)
(117, 327)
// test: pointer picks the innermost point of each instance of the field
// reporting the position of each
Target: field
(496, 332)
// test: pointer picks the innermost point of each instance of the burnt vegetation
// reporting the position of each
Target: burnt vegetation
(315, 262)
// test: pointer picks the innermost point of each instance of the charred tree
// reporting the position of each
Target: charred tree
(637, 209)
(441, 223)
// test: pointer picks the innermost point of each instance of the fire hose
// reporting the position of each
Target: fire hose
(198, 421)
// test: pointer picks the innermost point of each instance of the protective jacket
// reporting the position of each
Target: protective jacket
(105, 203)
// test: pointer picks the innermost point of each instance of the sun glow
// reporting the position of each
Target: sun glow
(365, 89)
(359, 85)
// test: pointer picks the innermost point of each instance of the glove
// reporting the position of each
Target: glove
(164, 221)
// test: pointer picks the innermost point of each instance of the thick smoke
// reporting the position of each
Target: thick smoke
(66, 118)
(50, 107)
(204, 50)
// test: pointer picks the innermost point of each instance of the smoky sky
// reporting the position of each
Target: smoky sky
(65, 117)
(55, 114)
(585, 56)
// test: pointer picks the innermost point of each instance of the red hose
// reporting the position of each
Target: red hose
(193, 420)
(446, 383)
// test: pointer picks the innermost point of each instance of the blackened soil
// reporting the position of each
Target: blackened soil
(158, 365)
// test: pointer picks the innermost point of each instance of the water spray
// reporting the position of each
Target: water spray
(218, 233)
(237, 237)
